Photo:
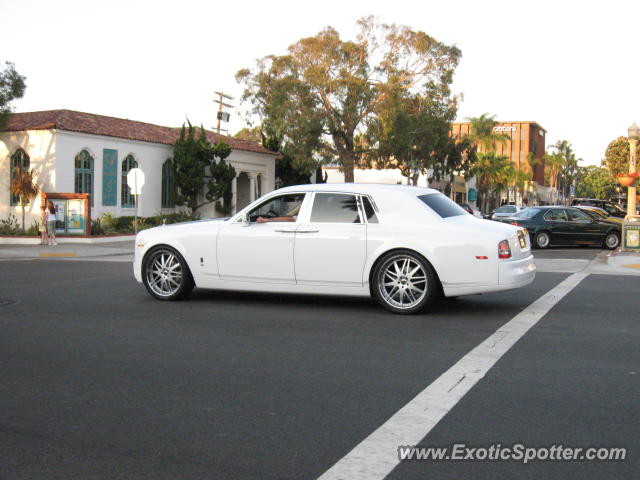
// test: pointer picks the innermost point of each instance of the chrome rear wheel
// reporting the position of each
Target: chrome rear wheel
(404, 282)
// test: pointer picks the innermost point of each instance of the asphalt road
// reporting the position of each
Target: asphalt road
(101, 381)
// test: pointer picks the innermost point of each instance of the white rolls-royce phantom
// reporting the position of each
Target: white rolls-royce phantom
(403, 245)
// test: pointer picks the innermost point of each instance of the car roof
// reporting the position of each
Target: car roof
(362, 188)
(593, 208)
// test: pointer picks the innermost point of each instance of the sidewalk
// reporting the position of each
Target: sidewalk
(113, 251)
(606, 263)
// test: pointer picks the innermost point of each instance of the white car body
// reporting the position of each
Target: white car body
(311, 257)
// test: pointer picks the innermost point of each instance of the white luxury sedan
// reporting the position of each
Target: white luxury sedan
(405, 246)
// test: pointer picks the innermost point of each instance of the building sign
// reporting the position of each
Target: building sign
(109, 177)
(502, 129)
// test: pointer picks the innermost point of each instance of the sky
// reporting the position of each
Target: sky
(571, 66)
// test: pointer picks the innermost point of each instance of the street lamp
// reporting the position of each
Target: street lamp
(634, 135)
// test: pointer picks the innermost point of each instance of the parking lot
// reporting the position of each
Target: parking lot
(102, 381)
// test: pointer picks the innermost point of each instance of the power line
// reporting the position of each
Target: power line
(221, 115)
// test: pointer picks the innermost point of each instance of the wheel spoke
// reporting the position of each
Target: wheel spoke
(397, 268)
(391, 275)
(410, 295)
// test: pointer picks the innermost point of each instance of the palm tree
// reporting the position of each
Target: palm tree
(24, 188)
(493, 173)
(483, 134)
(522, 181)
(553, 165)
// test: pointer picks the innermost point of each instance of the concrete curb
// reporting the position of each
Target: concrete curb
(24, 240)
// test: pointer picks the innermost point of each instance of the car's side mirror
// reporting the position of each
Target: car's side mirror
(245, 220)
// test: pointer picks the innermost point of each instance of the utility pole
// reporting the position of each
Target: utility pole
(222, 116)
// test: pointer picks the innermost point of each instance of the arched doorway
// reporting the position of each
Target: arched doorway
(243, 191)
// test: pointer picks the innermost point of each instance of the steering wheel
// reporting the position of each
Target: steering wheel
(271, 213)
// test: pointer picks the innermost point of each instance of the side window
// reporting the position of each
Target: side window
(335, 208)
(578, 216)
(556, 215)
(369, 211)
(281, 206)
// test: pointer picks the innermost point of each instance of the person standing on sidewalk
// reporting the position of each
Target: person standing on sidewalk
(44, 238)
(51, 223)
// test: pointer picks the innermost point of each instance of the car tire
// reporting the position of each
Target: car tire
(166, 275)
(404, 282)
(612, 241)
(542, 239)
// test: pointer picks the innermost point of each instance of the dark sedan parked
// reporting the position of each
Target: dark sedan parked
(559, 225)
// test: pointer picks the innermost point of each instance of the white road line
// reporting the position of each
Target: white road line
(377, 455)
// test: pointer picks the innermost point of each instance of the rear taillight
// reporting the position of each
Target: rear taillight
(515, 223)
(503, 249)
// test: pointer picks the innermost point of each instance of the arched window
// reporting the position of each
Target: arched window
(84, 174)
(20, 159)
(126, 199)
(168, 185)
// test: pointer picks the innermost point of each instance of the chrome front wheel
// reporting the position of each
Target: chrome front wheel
(404, 282)
(166, 275)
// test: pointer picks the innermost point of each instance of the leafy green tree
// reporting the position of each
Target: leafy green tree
(200, 169)
(616, 157)
(287, 172)
(250, 134)
(12, 87)
(595, 182)
(411, 132)
(323, 93)
(24, 187)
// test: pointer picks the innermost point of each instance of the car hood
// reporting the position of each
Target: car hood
(194, 222)
(174, 228)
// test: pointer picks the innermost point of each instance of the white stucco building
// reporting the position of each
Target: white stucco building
(75, 152)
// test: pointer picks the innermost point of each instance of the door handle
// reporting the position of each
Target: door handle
(286, 231)
(307, 231)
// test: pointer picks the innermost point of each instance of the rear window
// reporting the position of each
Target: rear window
(527, 213)
(443, 206)
(506, 209)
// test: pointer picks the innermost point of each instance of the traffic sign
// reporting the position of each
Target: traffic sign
(135, 180)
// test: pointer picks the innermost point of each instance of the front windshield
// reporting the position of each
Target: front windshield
(277, 207)
(528, 213)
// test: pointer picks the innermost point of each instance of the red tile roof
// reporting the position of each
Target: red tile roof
(92, 124)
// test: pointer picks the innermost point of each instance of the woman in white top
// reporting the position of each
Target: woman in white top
(51, 223)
